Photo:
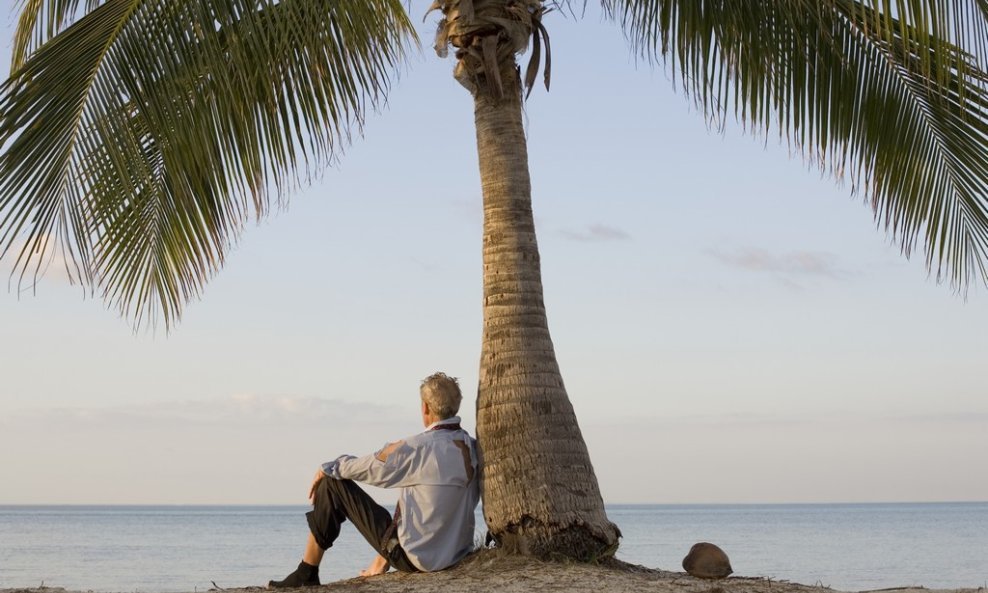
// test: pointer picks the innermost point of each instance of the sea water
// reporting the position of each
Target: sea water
(849, 547)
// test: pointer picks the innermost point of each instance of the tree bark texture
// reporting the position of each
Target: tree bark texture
(540, 493)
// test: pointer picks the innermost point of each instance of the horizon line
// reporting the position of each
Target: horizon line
(4, 505)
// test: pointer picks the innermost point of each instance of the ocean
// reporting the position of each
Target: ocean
(149, 549)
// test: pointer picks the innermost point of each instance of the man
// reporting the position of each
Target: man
(436, 472)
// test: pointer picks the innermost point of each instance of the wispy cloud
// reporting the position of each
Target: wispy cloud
(796, 263)
(596, 233)
(243, 408)
(827, 455)
(468, 210)
(818, 418)
(228, 450)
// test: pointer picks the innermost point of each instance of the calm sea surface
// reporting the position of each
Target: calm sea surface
(161, 549)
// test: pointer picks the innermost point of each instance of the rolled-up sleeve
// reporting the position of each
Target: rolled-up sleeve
(332, 468)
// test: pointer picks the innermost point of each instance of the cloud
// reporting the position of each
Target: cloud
(240, 408)
(789, 457)
(241, 449)
(469, 211)
(796, 263)
(597, 233)
(777, 420)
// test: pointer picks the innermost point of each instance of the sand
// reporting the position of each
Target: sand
(494, 573)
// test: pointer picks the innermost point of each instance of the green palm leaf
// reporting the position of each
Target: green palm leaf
(143, 136)
(891, 95)
(41, 20)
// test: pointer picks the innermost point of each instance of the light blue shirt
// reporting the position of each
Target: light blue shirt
(437, 473)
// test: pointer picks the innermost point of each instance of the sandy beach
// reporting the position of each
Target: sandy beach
(492, 573)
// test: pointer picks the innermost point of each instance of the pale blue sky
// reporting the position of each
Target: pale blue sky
(731, 326)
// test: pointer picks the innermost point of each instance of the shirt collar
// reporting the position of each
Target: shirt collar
(450, 420)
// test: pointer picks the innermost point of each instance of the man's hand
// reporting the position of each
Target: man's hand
(319, 477)
(378, 566)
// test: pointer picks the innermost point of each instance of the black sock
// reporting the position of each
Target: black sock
(309, 571)
(306, 575)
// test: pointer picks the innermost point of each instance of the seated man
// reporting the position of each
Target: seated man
(436, 472)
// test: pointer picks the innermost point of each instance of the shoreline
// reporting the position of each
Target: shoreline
(492, 572)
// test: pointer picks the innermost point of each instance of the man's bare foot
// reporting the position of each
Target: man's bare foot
(378, 566)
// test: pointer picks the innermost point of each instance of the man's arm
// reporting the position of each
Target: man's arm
(390, 467)
(393, 466)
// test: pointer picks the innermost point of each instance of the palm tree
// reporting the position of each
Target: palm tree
(140, 135)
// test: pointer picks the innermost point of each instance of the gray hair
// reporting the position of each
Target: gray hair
(441, 393)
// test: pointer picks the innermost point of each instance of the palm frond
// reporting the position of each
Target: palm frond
(144, 135)
(892, 95)
(40, 20)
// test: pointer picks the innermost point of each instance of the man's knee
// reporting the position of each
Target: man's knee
(332, 487)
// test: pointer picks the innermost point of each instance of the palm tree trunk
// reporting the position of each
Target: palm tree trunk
(539, 489)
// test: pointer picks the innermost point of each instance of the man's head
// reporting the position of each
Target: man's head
(440, 397)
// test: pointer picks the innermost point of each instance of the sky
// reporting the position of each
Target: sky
(732, 327)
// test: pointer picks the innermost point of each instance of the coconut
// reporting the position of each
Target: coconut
(707, 561)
